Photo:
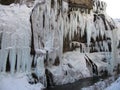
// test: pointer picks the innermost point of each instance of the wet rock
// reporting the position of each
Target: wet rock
(49, 77)
(57, 61)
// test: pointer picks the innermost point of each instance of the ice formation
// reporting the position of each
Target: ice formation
(36, 39)
(59, 28)
(15, 38)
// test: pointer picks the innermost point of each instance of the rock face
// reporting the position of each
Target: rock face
(8, 2)
(81, 3)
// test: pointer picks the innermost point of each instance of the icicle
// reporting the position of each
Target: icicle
(28, 60)
(4, 55)
(83, 24)
(101, 28)
(72, 25)
(23, 60)
(75, 22)
(96, 47)
(105, 45)
(89, 32)
(4, 50)
(40, 70)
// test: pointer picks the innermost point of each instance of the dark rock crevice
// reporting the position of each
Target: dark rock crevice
(7, 2)
(32, 48)
(8, 64)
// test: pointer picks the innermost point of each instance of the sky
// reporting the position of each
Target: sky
(113, 8)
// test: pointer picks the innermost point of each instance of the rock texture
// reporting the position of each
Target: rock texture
(81, 3)
(8, 2)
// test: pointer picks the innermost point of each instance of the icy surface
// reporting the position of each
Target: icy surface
(107, 84)
(18, 82)
(115, 85)
(104, 85)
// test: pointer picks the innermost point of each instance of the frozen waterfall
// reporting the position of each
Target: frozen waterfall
(35, 39)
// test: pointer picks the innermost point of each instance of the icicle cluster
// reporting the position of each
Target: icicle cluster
(15, 39)
(90, 27)
(99, 6)
(47, 24)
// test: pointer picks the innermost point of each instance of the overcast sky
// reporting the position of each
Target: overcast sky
(113, 8)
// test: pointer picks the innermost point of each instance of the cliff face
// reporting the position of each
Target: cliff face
(60, 29)
(50, 36)
(88, 27)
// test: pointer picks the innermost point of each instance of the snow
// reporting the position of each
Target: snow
(77, 60)
(73, 67)
(115, 85)
(97, 58)
(18, 82)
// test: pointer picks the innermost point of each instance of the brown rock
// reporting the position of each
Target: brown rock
(81, 3)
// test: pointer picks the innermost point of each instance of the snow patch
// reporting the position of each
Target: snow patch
(18, 82)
